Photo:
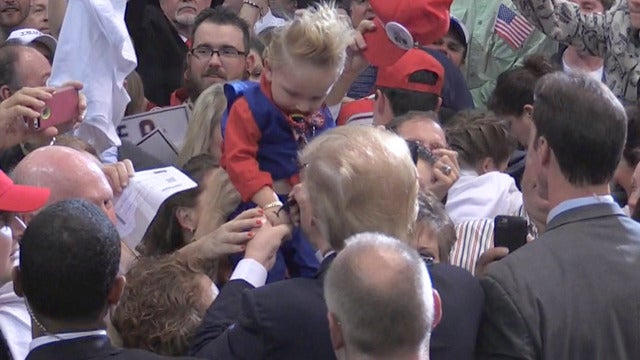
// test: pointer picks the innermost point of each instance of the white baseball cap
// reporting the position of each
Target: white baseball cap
(28, 36)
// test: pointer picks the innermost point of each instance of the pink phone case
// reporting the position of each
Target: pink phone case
(60, 109)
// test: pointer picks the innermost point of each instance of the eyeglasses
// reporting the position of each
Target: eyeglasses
(225, 52)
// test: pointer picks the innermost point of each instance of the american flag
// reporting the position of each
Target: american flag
(511, 27)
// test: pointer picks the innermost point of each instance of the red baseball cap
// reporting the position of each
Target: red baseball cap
(397, 76)
(20, 198)
(403, 24)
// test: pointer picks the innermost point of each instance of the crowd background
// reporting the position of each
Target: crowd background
(354, 162)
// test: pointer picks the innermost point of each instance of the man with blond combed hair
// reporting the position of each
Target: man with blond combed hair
(380, 300)
(370, 185)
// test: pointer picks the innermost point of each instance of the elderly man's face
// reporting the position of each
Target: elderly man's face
(38, 16)
(227, 63)
(183, 12)
(13, 12)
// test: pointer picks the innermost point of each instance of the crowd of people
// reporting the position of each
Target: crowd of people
(373, 179)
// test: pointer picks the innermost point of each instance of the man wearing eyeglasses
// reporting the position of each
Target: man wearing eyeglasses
(219, 53)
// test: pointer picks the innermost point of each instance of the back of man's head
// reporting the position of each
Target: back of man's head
(360, 179)
(584, 124)
(69, 257)
(380, 300)
(413, 83)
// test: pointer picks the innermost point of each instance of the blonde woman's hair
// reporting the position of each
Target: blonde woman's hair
(360, 179)
(318, 36)
(207, 114)
(135, 89)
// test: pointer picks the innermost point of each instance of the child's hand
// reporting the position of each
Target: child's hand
(356, 62)
(277, 217)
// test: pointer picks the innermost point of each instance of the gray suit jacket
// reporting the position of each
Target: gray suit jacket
(574, 293)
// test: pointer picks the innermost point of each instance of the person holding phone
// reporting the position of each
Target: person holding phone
(579, 130)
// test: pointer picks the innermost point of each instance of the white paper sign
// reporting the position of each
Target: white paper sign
(172, 121)
(141, 199)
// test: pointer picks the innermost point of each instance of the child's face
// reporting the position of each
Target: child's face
(301, 88)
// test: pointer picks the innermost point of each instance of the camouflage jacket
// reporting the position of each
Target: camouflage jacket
(608, 35)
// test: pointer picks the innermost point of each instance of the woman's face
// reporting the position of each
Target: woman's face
(427, 243)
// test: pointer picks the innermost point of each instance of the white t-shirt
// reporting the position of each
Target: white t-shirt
(268, 20)
(596, 74)
(482, 196)
(15, 322)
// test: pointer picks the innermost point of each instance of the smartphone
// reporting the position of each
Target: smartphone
(60, 109)
(419, 151)
(509, 232)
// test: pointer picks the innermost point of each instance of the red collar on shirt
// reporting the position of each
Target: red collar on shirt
(179, 97)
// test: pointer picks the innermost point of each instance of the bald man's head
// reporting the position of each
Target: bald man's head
(379, 294)
(68, 173)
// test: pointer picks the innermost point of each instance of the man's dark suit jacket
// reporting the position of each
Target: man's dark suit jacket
(160, 50)
(288, 319)
(454, 338)
(574, 293)
(90, 347)
(283, 320)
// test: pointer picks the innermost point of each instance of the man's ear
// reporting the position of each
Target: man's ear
(250, 61)
(486, 165)
(528, 110)
(16, 276)
(186, 218)
(187, 67)
(437, 109)
(437, 307)
(26, 217)
(117, 288)
(267, 71)
(5, 92)
(335, 331)
(380, 101)
(544, 151)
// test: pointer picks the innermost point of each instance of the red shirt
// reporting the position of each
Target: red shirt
(240, 148)
(357, 112)
(179, 97)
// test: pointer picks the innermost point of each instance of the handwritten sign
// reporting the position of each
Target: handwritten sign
(172, 121)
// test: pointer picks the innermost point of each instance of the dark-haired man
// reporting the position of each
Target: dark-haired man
(413, 83)
(573, 293)
(68, 275)
(219, 53)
